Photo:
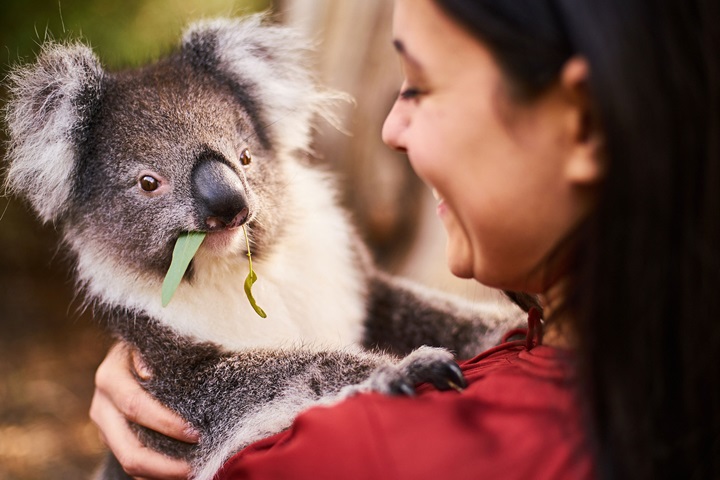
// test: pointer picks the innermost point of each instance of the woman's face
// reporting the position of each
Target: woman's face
(499, 169)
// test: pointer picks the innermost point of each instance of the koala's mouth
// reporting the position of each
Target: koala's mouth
(224, 240)
(225, 236)
(222, 222)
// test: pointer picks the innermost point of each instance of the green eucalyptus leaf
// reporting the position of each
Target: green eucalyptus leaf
(185, 248)
(251, 279)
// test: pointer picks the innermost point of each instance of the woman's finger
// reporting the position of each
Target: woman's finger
(118, 399)
(114, 379)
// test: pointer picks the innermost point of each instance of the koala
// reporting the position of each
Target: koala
(215, 137)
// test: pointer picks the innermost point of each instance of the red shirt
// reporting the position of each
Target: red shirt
(518, 419)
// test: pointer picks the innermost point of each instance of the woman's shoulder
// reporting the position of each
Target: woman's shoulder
(508, 373)
(516, 419)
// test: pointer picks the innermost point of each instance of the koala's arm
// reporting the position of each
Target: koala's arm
(403, 316)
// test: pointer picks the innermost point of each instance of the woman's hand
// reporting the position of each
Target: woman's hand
(118, 399)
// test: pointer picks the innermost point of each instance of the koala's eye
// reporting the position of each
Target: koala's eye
(245, 157)
(149, 183)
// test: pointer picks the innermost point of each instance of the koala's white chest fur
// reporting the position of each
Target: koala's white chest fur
(310, 286)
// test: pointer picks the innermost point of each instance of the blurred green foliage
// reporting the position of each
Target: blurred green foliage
(122, 32)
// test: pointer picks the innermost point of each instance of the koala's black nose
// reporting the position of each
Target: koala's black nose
(219, 194)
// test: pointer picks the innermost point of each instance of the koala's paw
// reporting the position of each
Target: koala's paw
(424, 365)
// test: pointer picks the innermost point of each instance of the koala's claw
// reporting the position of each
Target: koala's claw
(452, 377)
(403, 388)
(444, 375)
(424, 365)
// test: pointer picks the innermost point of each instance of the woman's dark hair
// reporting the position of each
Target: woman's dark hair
(646, 269)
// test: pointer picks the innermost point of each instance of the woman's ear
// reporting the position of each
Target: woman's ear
(585, 165)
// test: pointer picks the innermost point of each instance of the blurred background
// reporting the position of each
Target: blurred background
(49, 349)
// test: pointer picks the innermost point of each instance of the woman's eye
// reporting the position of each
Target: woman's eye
(410, 93)
(245, 157)
(149, 183)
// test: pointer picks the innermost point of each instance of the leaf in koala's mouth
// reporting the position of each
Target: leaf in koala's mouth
(251, 278)
(186, 246)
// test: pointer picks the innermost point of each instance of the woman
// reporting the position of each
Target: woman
(575, 150)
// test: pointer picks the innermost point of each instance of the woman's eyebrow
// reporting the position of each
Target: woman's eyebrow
(402, 51)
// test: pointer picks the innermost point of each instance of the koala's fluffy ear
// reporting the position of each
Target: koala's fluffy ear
(270, 61)
(51, 103)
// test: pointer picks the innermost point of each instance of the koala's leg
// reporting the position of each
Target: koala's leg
(403, 316)
(258, 393)
(235, 398)
(214, 391)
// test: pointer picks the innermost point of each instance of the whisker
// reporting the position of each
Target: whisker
(7, 205)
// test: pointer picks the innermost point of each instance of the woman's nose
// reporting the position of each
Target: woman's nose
(394, 126)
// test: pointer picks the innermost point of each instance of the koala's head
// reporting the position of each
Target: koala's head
(126, 161)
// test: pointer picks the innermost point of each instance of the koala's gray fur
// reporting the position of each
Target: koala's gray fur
(81, 141)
